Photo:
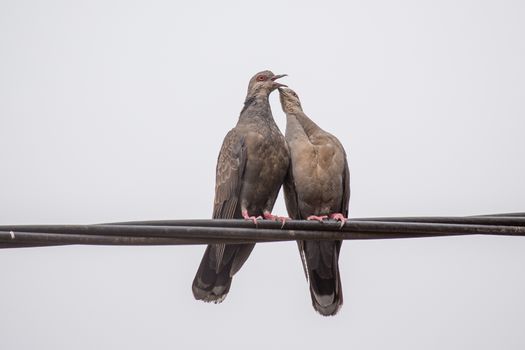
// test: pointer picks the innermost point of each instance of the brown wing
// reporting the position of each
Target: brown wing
(346, 177)
(345, 200)
(229, 172)
(292, 206)
(228, 181)
(290, 195)
(346, 190)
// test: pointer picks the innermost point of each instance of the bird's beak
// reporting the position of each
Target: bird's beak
(276, 84)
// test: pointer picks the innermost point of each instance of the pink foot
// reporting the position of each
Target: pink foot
(317, 218)
(246, 216)
(269, 216)
(339, 217)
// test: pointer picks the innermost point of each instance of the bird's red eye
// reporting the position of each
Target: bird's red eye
(261, 78)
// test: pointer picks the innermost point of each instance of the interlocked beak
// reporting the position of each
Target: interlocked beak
(276, 84)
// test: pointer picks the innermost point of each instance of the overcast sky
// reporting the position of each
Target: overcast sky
(116, 110)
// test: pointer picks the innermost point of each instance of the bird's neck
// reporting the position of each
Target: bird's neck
(257, 98)
(256, 106)
(308, 125)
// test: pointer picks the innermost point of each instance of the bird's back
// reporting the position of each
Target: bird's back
(318, 167)
(317, 185)
(251, 167)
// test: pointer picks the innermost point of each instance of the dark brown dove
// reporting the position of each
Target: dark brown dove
(317, 187)
(251, 168)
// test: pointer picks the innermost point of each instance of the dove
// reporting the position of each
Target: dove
(251, 167)
(317, 187)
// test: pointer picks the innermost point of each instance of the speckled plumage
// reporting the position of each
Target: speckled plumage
(318, 183)
(251, 167)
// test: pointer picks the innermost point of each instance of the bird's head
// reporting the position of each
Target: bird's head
(263, 83)
(289, 100)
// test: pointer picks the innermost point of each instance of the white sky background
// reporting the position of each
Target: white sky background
(116, 110)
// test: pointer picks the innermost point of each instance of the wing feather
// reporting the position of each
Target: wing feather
(229, 172)
(346, 190)
(230, 169)
(292, 206)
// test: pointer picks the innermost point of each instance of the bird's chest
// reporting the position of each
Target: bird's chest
(317, 172)
(266, 165)
(266, 150)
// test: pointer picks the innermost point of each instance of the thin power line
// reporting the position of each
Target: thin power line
(183, 232)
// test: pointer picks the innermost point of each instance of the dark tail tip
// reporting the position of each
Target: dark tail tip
(210, 285)
(214, 295)
(326, 293)
(328, 310)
